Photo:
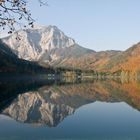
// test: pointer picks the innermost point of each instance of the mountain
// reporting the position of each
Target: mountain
(94, 61)
(116, 62)
(10, 63)
(128, 60)
(45, 45)
(50, 46)
(7, 57)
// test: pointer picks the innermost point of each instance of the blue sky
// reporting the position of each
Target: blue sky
(95, 24)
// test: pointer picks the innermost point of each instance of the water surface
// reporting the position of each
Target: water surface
(61, 109)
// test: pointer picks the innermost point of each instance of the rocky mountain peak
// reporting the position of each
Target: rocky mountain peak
(36, 41)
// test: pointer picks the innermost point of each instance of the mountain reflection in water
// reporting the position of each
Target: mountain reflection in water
(49, 102)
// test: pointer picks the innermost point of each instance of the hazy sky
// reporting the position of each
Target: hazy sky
(96, 24)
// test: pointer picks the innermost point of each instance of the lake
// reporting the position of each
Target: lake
(54, 109)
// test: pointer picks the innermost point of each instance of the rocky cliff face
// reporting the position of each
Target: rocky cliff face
(10, 63)
(44, 44)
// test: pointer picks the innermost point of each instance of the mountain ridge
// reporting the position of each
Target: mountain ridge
(50, 46)
(34, 42)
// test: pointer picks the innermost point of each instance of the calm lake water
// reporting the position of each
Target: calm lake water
(36, 109)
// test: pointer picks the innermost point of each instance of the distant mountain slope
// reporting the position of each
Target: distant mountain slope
(95, 61)
(109, 61)
(128, 60)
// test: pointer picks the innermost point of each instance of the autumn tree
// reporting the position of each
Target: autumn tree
(15, 13)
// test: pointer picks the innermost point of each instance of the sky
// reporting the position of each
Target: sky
(95, 24)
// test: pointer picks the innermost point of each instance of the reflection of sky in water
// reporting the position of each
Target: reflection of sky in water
(97, 120)
(4, 118)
